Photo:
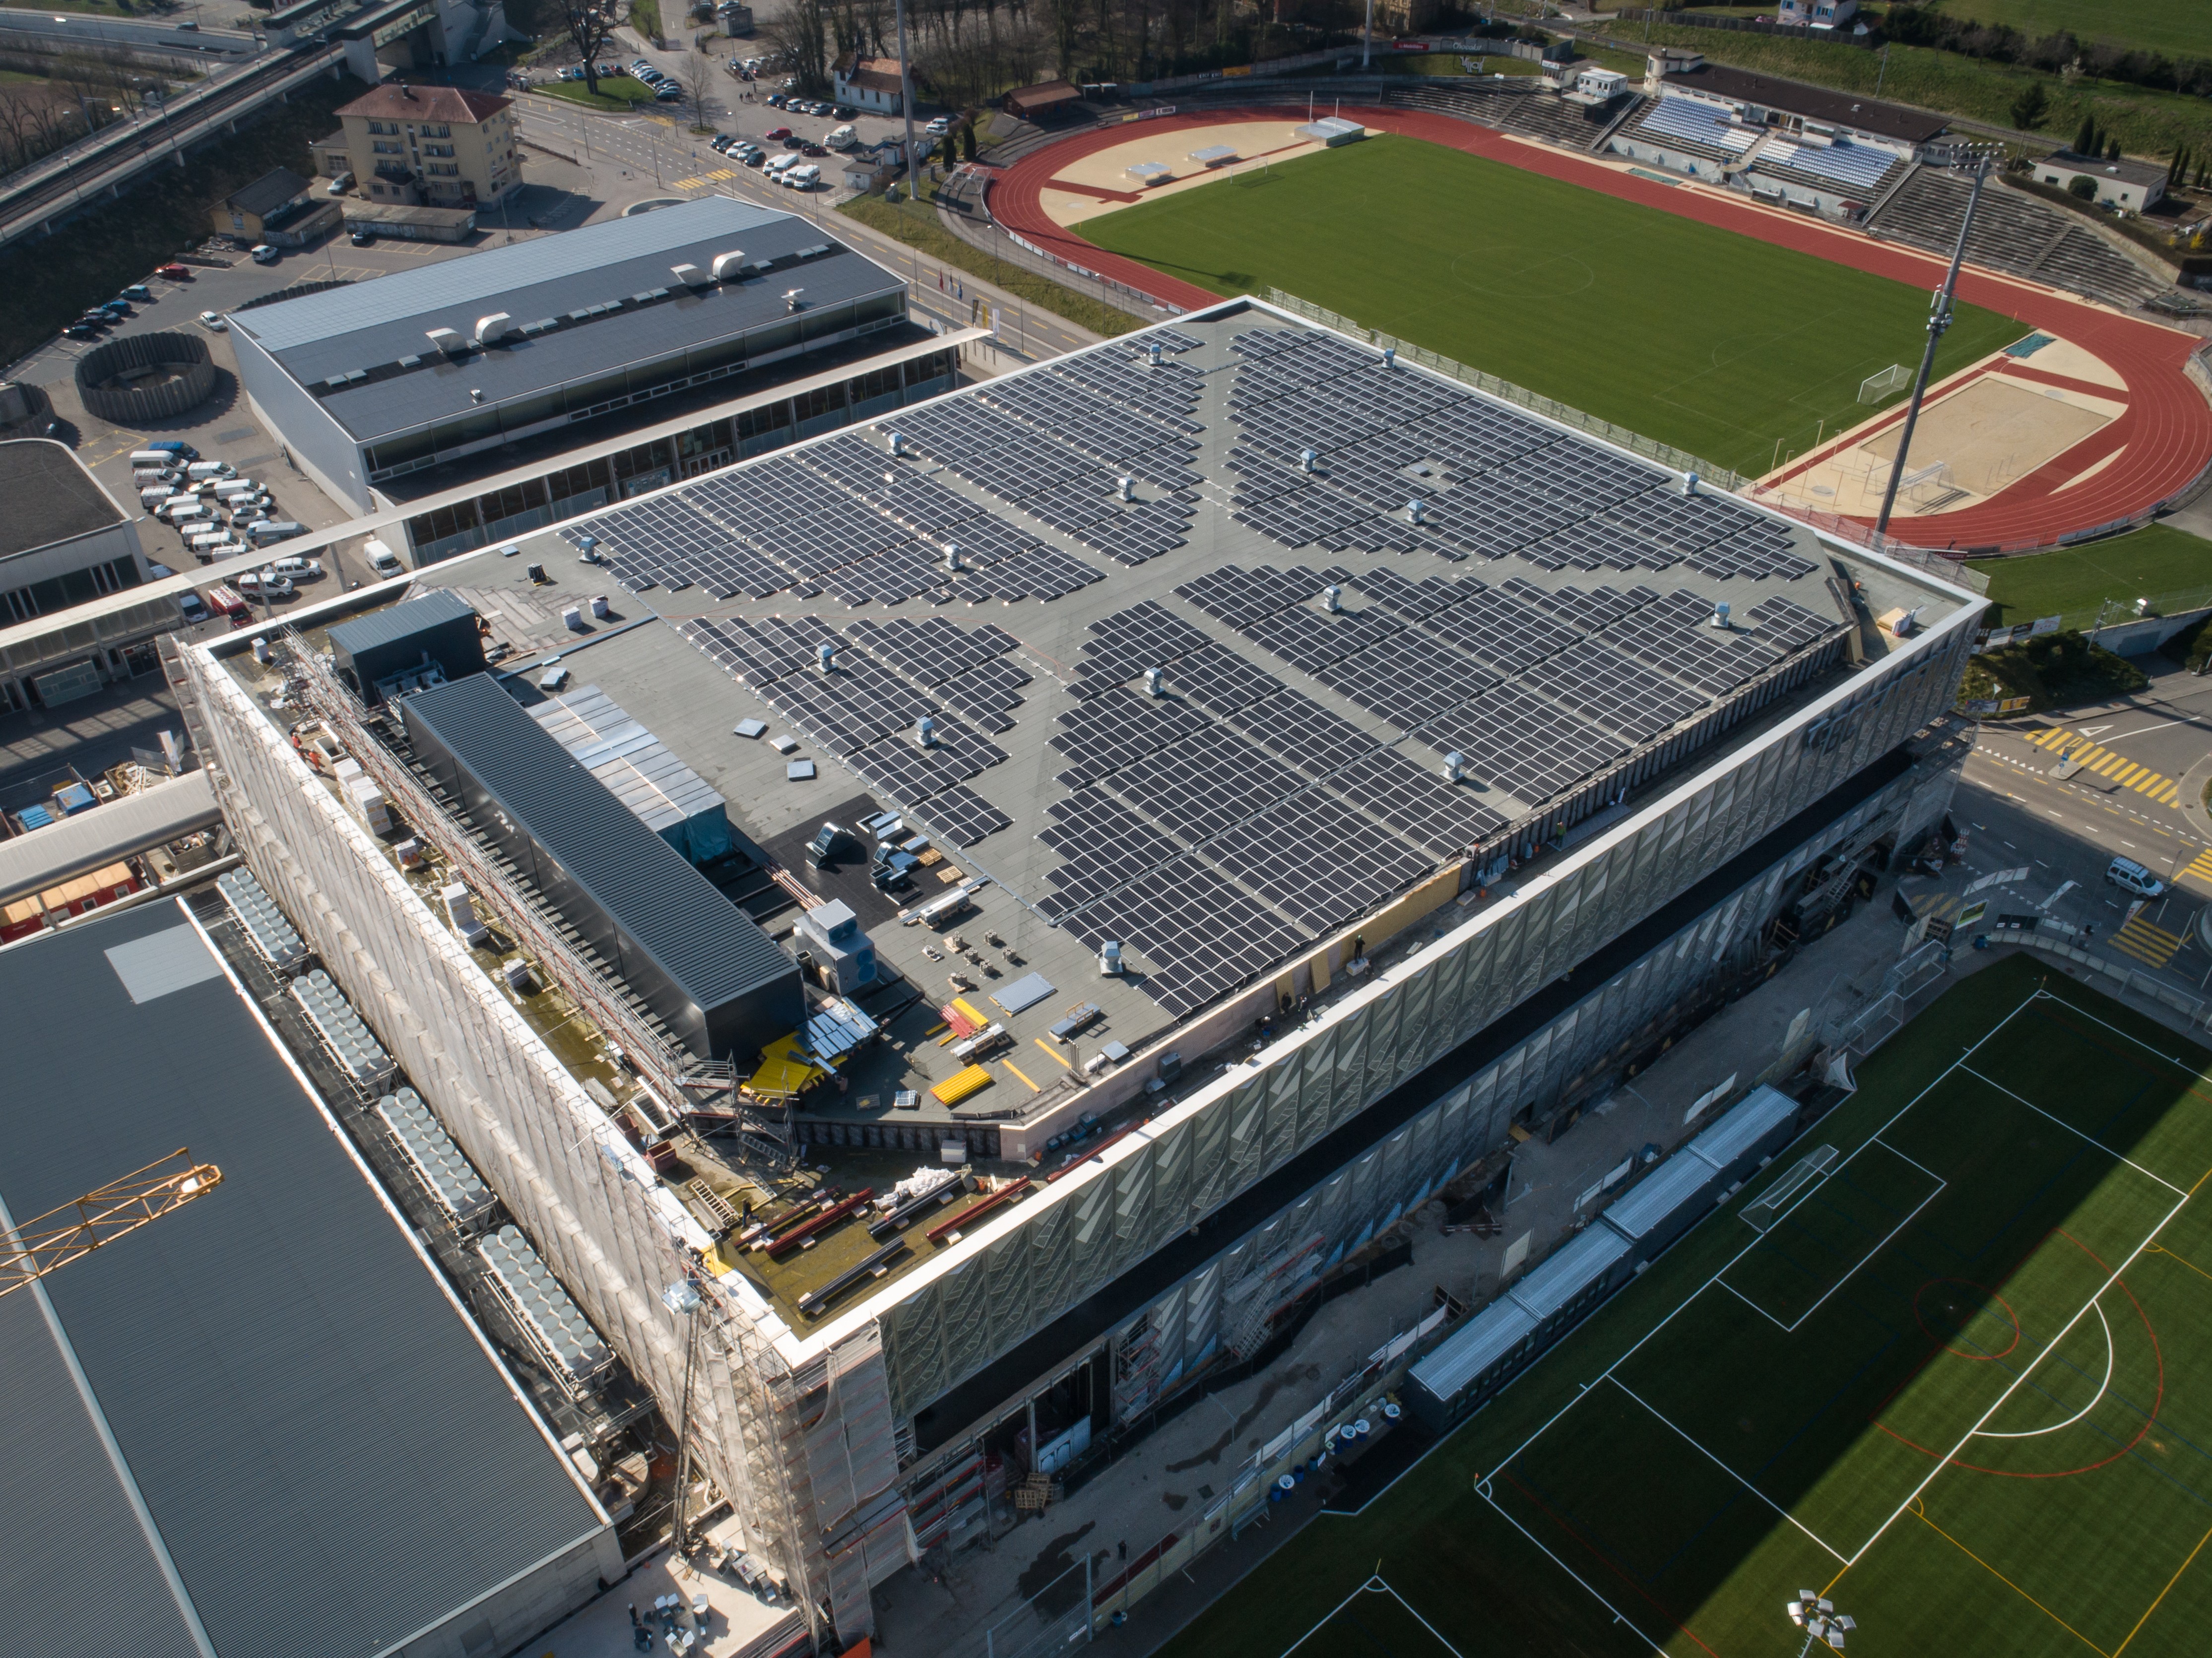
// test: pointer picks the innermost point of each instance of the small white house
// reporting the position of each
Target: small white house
(2133, 186)
(1594, 86)
(869, 83)
(1817, 14)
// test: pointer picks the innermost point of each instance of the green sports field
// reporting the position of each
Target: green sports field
(1731, 348)
(2179, 27)
(1958, 1380)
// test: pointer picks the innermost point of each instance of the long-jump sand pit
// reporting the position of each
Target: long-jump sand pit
(1991, 432)
(1100, 182)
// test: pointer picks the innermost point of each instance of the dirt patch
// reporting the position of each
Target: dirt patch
(1267, 1392)
(1991, 432)
(1174, 1500)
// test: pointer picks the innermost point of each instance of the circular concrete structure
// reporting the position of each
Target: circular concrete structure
(142, 378)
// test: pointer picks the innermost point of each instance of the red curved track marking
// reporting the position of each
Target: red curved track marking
(2150, 1417)
(2165, 437)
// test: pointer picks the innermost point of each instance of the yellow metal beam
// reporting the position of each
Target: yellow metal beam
(103, 1215)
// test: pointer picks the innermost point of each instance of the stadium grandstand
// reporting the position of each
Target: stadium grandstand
(1217, 789)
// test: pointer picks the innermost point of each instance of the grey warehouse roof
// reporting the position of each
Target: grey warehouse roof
(1757, 1115)
(379, 627)
(1659, 1194)
(1571, 1270)
(327, 1456)
(373, 328)
(50, 497)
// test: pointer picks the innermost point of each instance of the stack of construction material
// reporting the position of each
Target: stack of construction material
(273, 938)
(362, 797)
(460, 1191)
(350, 1044)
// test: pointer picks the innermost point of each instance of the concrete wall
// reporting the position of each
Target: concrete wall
(324, 450)
(532, 1601)
(78, 553)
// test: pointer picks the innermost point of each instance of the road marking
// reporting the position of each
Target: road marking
(2147, 942)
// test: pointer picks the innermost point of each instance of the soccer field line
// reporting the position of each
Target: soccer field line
(2123, 1035)
(1941, 1186)
(1691, 1299)
(2014, 1386)
(1698, 1445)
(2111, 1359)
(1376, 1584)
(2069, 1128)
(1483, 1490)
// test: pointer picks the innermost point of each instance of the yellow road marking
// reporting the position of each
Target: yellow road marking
(2147, 942)
(2163, 1592)
(1065, 1061)
(2128, 774)
(1017, 1070)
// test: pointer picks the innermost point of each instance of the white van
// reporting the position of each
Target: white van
(210, 469)
(145, 475)
(273, 530)
(155, 495)
(779, 165)
(802, 178)
(382, 558)
(298, 569)
(843, 138)
(2130, 877)
(152, 457)
(187, 512)
(231, 489)
(209, 543)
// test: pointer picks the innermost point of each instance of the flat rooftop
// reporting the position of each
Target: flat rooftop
(1549, 618)
(583, 304)
(330, 1459)
(50, 497)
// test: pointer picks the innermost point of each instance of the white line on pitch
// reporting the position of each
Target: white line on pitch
(1572, 1572)
(2038, 1433)
(1698, 1446)
(2069, 1128)
(1941, 1186)
(1895, 1117)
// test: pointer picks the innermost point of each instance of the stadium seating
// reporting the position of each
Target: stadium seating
(1679, 127)
(2012, 232)
(1509, 105)
(1859, 173)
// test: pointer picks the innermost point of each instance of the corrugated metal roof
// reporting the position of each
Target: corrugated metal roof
(1570, 1270)
(1757, 1114)
(327, 1452)
(1479, 1343)
(399, 621)
(1661, 1192)
(660, 789)
(93, 839)
(701, 940)
(497, 272)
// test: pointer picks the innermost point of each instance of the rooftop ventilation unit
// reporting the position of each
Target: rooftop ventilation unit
(1455, 766)
(1416, 511)
(1109, 959)
(1389, 356)
(1690, 483)
(1126, 489)
(898, 443)
(825, 656)
(729, 266)
(447, 340)
(1307, 460)
(1152, 353)
(1332, 599)
(1720, 613)
(1155, 682)
(689, 275)
(952, 556)
(493, 327)
(476, 394)
(790, 300)
(925, 732)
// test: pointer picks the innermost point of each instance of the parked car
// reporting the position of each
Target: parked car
(263, 584)
(339, 186)
(720, 143)
(96, 319)
(794, 142)
(777, 99)
(80, 331)
(668, 93)
(2131, 876)
(213, 322)
(939, 127)
(756, 157)
(775, 133)
(815, 150)
(139, 292)
(265, 254)
(845, 112)
(362, 236)
(298, 569)
(176, 273)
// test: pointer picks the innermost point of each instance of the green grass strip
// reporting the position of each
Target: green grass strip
(2171, 568)
(918, 227)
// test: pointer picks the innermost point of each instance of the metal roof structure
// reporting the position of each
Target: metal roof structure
(1570, 1270)
(658, 920)
(262, 1428)
(401, 622)
(620, 273)
(93, 839)
(1473, 1348)
(1659, 1194)
(667, 796)
(1748, 1121)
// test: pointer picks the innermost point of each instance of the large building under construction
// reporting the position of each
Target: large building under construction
(999, 903)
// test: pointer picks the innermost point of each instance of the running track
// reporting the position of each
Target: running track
(2160, 443)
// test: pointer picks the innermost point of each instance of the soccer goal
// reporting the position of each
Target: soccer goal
(1874, 387)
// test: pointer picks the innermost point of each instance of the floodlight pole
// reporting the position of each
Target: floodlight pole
(1367, 36)
(1939, 321)
(906, 99)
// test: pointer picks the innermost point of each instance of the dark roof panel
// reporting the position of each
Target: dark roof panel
(50, 496)
(1847, 109)
(290, 1387)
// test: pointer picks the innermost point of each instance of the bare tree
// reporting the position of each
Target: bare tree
(590, 25)
(17, 126)
(801, 32)
(696, 75)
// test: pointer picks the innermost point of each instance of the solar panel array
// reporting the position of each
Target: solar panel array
(1215, 821)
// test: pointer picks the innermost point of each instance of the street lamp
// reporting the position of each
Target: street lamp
(1820, 1620)
(682, 1297)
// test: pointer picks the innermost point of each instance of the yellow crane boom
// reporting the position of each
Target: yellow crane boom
(32, 1250)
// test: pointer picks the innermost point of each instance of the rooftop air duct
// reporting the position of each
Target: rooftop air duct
(689, 275)
(898, 443)
(1389, 356)
(1155, 682)
(952, 556)
(1690, 483)
(447, 340)
(729, 266)
(925, 732)
(1720, 613)
(1416, 511)
(825, 656)
(1109, 959)
(1455, 766)
(493, 327)
(790, 300)
(1126, 488)
(1332, 599)
(1307, 460)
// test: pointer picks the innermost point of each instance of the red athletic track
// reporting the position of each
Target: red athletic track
(2163, 440)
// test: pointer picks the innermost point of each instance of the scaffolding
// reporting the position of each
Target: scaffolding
(683, 1081)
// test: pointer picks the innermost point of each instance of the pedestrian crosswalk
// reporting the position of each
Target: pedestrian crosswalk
(2201, 869)
(2148, 943)
(2103, 762)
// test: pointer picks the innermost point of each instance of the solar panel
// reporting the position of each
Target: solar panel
(1512, 741)
(1418, 804)
(1292, 726)
(1318, 860)
(1204, 936)
(1117, 728)
(1201, 784)
(1621, 695)
(1102, 845)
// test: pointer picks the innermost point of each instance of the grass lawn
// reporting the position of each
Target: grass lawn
(2176, 28)
(1676, 330)
(918, 227)
(1962, 1385)
(2147, 123)
(616, 92)
(2152, 563)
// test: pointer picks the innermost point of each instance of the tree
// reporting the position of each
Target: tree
(2084, 140)
(2031, 107)
(2082, 186)
(696, 75)
(967, 143)
(2113, 149)
(590, 25)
